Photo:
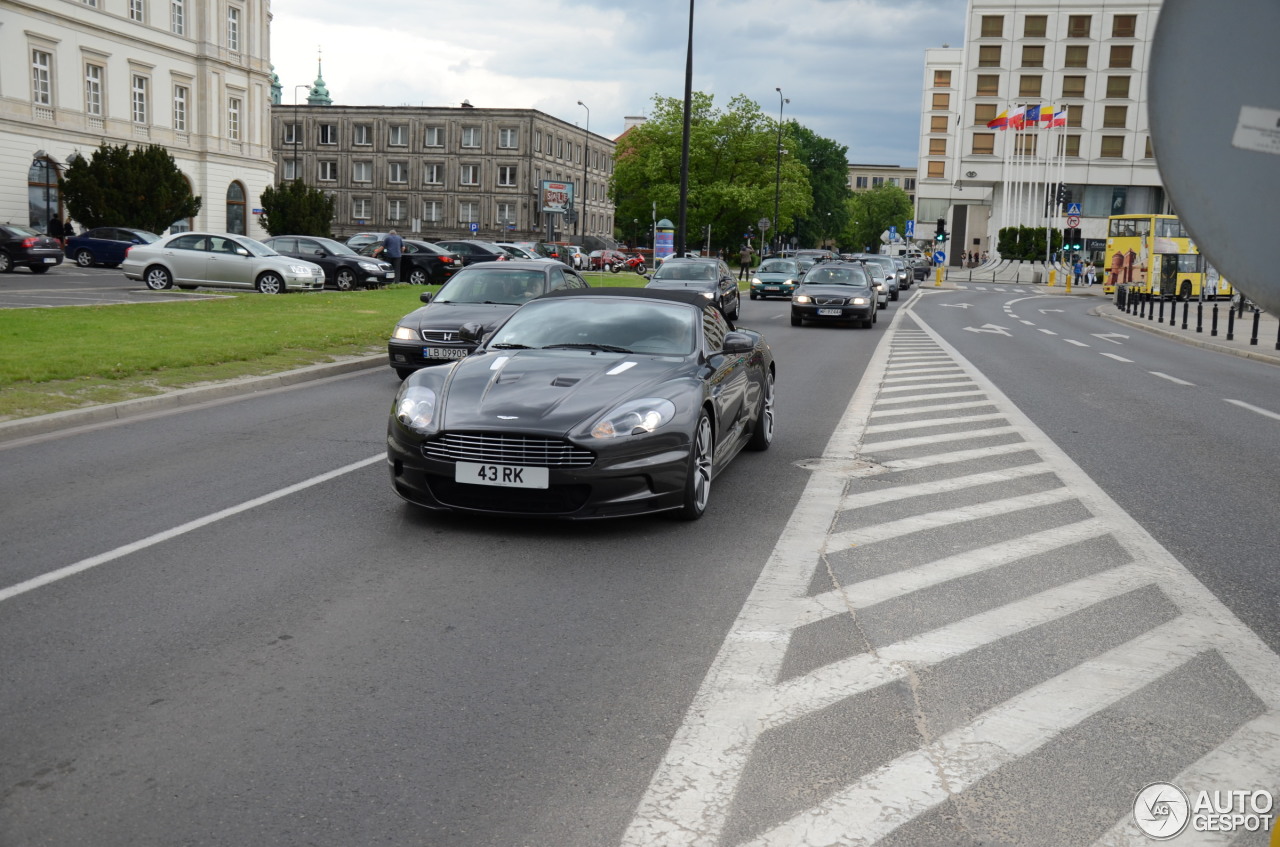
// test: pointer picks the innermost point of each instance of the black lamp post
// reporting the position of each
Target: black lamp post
(586, 139)
(777, 185)
(684, 146)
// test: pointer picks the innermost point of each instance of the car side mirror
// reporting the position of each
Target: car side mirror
(471, 332)
(320, 251)
(425, 297)
(738, 342)
(240, 251)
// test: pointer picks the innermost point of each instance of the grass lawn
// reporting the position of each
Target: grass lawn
(57, 359)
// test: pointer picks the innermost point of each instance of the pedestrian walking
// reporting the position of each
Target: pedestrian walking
(55, 229)
(745, 258)
(1077, 269)
(393, 249)
(1090, 274)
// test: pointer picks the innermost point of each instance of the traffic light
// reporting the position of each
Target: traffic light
(941, 234)
(1071, 239)
(1062, 195)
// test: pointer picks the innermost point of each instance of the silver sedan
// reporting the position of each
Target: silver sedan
(194, 259)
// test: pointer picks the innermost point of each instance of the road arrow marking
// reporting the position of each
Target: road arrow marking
(956, 305)
(1077, 343)
(998, 330)
(1110, 336)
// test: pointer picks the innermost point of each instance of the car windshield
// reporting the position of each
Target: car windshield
(21, 231)
(779, 266)
(616, 325)
(685, 270)
(517, 252)
(144, 236)
(826, 275)
(256, 248)
(492, 285)
(335, 247)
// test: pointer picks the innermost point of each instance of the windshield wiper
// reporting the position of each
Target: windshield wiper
(608, 348)
(505, 346)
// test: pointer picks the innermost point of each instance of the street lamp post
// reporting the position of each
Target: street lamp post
(297, 130)
(586, 140)
(777, 184)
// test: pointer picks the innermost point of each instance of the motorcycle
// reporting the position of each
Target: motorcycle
(632, 263)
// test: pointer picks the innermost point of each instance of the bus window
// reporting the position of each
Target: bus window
(1170, 228)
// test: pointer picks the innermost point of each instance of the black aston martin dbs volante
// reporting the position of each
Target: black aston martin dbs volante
(586, 403)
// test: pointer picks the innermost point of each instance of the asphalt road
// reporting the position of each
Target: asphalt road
(69, 284)
(982, 589)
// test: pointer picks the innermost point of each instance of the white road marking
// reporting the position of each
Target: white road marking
(1047, 331)
(1110, 336)
(955, 456)
(1117, 358)
(940, 407)
(1077, 343)
(921, 489)
(1251, 408)
(942, 396)
(152, 540)
(901, 426)
(992, 328)
(1173, 379)
(922, 385)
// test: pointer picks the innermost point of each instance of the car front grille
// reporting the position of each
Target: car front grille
(504, 449)
(441, 336)
(556, 500)
(829, 301)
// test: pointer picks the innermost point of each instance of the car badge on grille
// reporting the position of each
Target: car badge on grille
(508, 418)
(446, 336)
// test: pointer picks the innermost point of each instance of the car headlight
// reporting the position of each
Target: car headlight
(791, 282)
(803, 298)
(416, 408)
(859, 301)
(634, 417)
(710, 295)
(405, 333)
(304, 270)
(879, 286)
(755, 280)
(369, 267)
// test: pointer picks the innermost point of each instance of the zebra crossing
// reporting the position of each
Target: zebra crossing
(960, 639)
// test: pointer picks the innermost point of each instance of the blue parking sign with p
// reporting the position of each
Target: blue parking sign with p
(475, 227)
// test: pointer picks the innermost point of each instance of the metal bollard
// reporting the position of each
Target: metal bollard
(1278, 339)
(1257, 316)
(1142, 306)
(1161, 310)
(1173, 312)
(1213, 324)
(1199, 317)
(1186, 304)
(1231, 324)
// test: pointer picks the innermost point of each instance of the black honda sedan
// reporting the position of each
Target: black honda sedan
(474, 251)
(485, 294)
(835, 291)
(344, 269)
(586, 403)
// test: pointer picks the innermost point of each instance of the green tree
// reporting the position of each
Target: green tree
(872, 213)
(828, 164)
(295, 208)
(732, 165)
(118, 186)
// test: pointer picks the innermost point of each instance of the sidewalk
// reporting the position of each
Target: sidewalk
(1268, 327)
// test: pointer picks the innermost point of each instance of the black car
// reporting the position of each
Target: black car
(590, 403)
(835, 291)
(483, 294)
(709, 277)
(473, 251)
(344, 269)
(22, 246)
(421, 262)
(106, 245)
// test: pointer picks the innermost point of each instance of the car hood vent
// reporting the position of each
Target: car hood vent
(565, 381)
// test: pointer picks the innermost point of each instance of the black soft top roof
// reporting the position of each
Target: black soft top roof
(692, 298)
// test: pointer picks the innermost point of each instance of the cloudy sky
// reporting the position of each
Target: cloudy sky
(853, 69)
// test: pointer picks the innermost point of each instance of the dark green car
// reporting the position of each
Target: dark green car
(775, 278)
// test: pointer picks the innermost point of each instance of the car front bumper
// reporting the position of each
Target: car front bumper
(304, 282)
(813, 312)
(402, 355)
(772, 289)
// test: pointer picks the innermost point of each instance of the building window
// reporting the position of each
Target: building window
(362, 134)
(983, 114)
(992, 26)
(508, 139)
(1073, 86)
(1077, 56)
(290, 169)
(1033, 57)
(471, 136)
(506, 215)
(1118, 87)
(942, 79)
(941, 102)
(1069, 145)
(1024, 144)
(988, 85)
(328, 171)
(180, 95)
(41, 88)
(1124, 26)
(362, 171)
(395, 210)
(1121, 56)
(235, 209)
(1115, 117)
(1035, 26)
(360, 209)
(178, 16)
(468, 212)
(397, 172)
(1075, 116)
(43, 200)
(1079, 26)
(139, 90)
(909, 184)
(233, 29)
(507, 175)
(1029, 85)
(328, 133)
(136, 11)
(984, 143)
(432, 211)
(291, 133)
(398, 136)
(93, 90)
(989, 56)
(469, 175)
(937, 147)
(433, 136)
(233, 118)
(537, 141)
(877, 181)
(863, 182)
(938, 123)
(937, 170)
(1112, 147)
(433, 174)
(1148, 153)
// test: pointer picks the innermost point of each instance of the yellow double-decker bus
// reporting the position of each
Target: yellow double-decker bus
(1154, 254)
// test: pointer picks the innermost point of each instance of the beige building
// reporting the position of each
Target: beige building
(190, 75)
(440, 172)
(867, 177)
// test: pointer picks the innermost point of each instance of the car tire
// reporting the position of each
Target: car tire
(418, 276)
(753, 296)
(797, 321)
(697, 484)
(737, 307)
(270, 283)
(157, 278)
(344, 280)
(188, 287)
(893, 296)
(39, 269)
(84, 258)
(1184, 293)
(762, 432)
(6, 263)
(403, 373)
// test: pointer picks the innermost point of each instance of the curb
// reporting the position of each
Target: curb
(1138, 323)
(43, 424)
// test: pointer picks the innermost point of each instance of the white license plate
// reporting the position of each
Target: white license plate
(507, 476)
(445, 353)
(831, 312)
(49, 260)
(771, 288)
(390, 274)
